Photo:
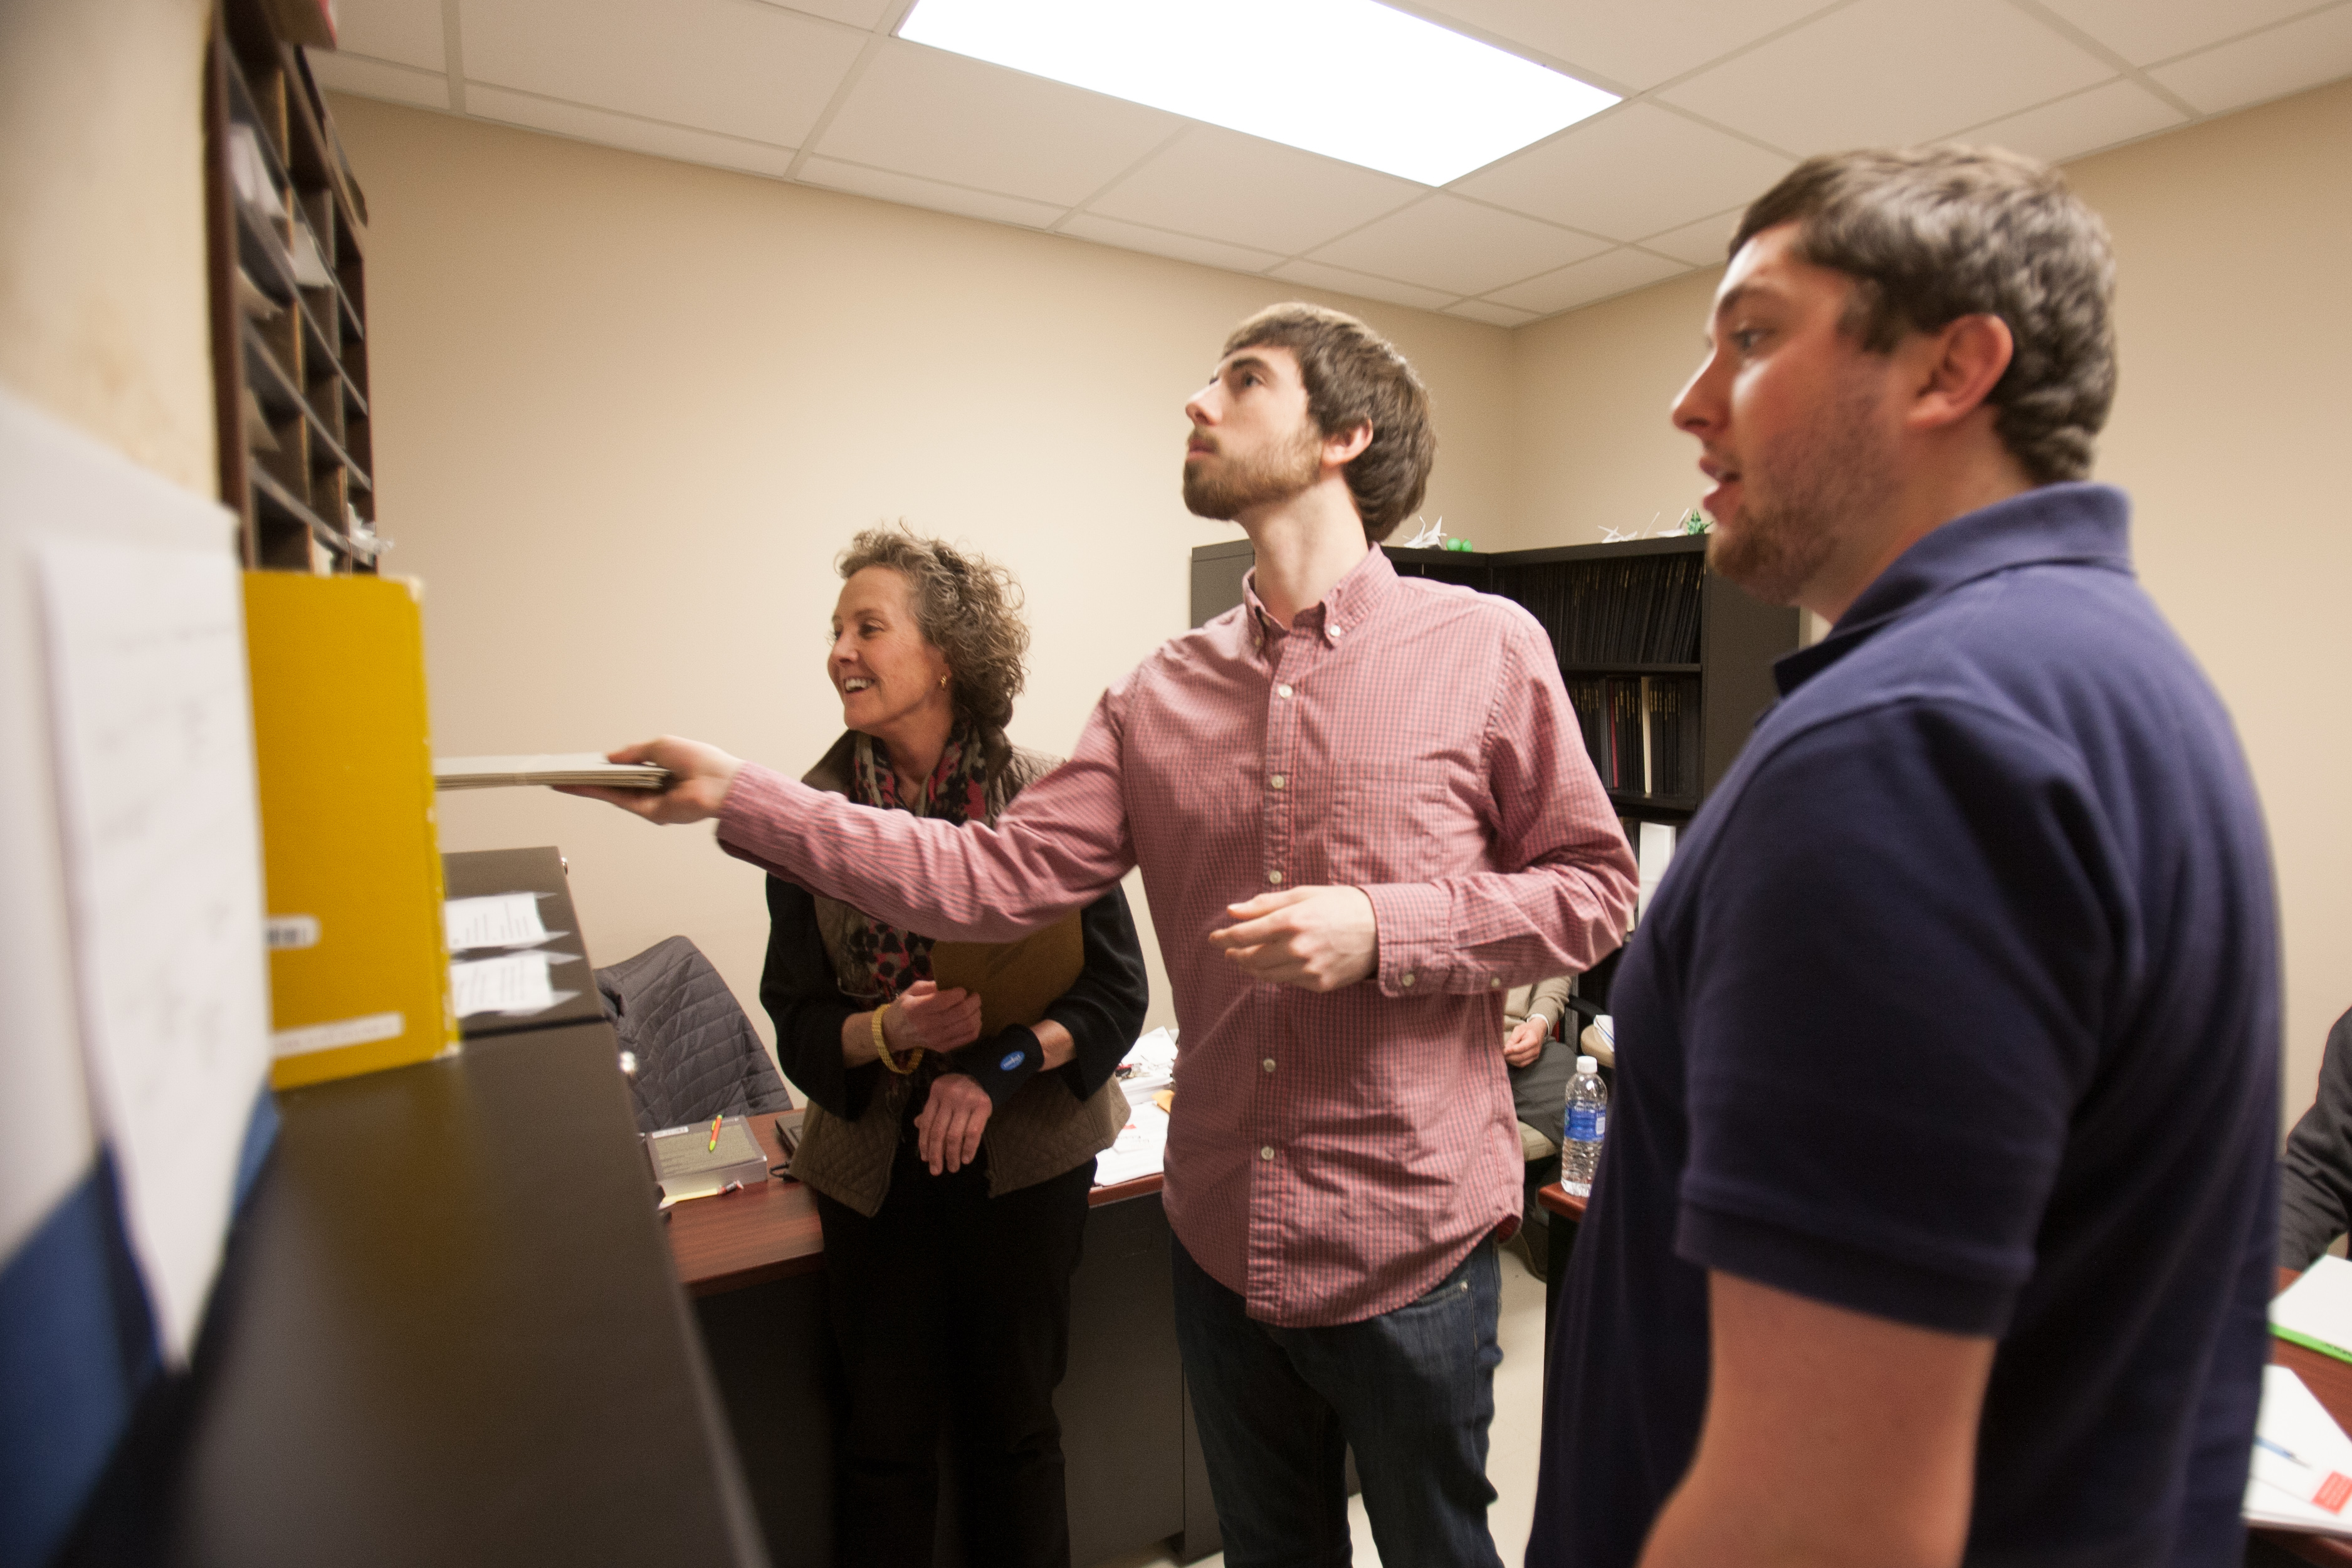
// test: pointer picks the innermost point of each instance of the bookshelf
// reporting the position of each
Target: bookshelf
(1667, 663)
(287, 237)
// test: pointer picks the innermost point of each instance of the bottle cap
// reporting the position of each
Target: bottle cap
(1588, 1065)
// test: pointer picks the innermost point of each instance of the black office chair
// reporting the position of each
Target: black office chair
(687, 1051)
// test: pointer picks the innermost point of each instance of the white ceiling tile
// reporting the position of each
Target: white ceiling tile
(1630, 173)
(1616, 272)
(1494, 315)
(925, 111)
(908, 191)
(1160, 242)
(405, 32)
(621, 131)
(1634, 47)
(856, 13)
(736, 67)
(1702, 244)
(1317, 275)
(1461, 247)
(2146, 31)
(1888, 73)
(341, 72)
(2108, 114)
(2284, 59)
(1221, 184)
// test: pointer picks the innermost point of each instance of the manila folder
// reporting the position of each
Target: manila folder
(1016, 980)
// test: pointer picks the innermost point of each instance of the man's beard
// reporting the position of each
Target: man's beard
(1836, 470)
(1237, 486)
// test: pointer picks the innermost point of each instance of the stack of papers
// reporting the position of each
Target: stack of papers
(2302, 1474)
(1141, 1149)
(1148, 1066)
(694, 1161)
(513, 981)
(555, 767)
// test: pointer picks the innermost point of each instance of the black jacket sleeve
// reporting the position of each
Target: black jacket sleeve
(1103, 1010)
(2316, 1173)
(798, 988)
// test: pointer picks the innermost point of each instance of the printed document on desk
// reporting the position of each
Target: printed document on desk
(153, 737)
(2301, 1477)
(500, 920)
(515, 984)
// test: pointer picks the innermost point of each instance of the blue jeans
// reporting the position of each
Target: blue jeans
(1412, 1390)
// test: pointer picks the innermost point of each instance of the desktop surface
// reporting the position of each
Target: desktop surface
(447, 1333)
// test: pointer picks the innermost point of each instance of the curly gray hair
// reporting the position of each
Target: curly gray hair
(968, 607)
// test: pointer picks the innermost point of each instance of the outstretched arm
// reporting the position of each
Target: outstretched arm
(1061, 844)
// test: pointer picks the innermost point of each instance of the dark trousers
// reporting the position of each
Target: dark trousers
(1412, 1391)
(951, 1302)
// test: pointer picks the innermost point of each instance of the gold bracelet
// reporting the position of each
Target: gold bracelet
(882, 1048)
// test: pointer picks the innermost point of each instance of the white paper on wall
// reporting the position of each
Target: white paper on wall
(152, 734)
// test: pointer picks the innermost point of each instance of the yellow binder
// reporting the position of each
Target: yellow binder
(359, 971)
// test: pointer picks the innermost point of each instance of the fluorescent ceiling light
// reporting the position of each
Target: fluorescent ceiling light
(1348, 78)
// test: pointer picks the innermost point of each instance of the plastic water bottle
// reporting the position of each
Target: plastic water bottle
(1582, 1130)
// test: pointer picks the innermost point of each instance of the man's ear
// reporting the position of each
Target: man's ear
(1956, 369)
(1348, 446)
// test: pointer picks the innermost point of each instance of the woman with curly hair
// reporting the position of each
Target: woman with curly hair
(950, 1152)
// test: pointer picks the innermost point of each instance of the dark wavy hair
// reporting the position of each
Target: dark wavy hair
(967, 606)
(1931, 233)
(1354, 376)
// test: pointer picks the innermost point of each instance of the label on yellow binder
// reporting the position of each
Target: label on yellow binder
(358, 973)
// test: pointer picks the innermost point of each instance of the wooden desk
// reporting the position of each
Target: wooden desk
(770, 1231)
(446, 1332)
(754, 1262)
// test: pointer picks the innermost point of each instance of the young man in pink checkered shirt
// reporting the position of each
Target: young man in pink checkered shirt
(1363, 814)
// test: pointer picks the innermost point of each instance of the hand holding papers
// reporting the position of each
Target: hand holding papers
(700, 776)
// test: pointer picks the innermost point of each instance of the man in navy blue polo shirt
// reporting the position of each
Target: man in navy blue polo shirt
(1935, 1223)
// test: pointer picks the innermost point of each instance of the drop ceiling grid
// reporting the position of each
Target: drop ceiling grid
(1718, 102)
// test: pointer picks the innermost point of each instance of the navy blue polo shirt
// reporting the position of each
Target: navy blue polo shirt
(1960, 1007)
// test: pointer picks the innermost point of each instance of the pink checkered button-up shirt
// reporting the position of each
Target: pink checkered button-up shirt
(1330, 1157)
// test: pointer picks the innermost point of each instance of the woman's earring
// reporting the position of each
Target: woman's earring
(943, 683)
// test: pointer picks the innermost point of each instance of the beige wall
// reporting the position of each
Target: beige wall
(102, 313)
(103, 327)
(2230, 238)
(628, 410)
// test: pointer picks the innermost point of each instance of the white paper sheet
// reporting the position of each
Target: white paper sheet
(1148, 1066)
(153, 737)
(501, 920)
(510, 983)
(1652, 854)
(1141, 1149)
(2317, 1308)
(2297, 1444)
